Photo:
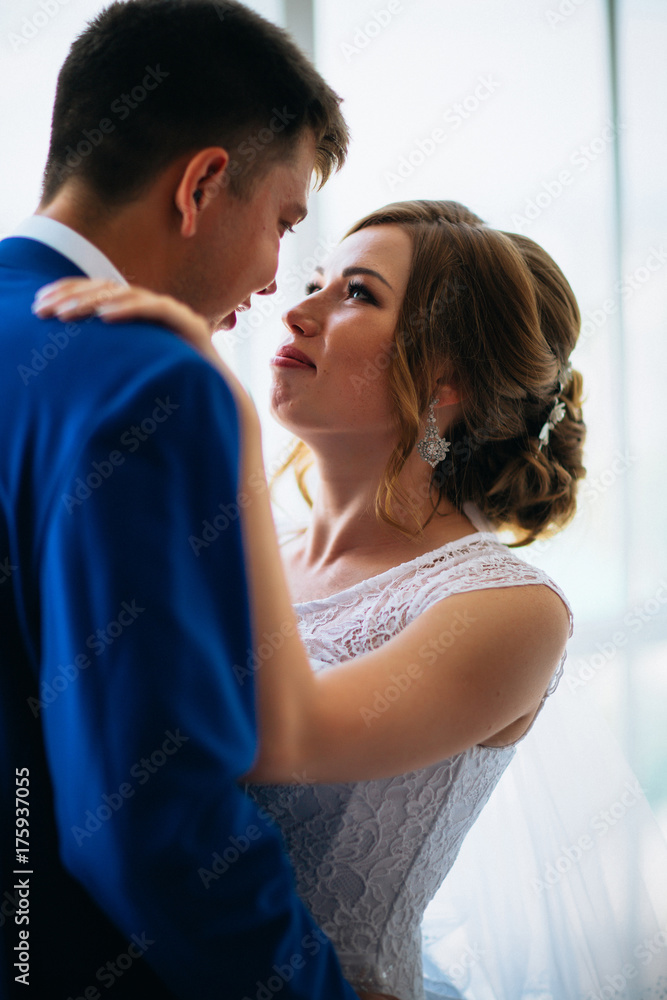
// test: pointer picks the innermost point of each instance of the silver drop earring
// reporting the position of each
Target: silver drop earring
(432, 448)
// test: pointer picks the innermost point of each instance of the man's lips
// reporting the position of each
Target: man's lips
(291, 357)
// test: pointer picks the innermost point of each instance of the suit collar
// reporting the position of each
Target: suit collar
(20, 254)
(88, 258)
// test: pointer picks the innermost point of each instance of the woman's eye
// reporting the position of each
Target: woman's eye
(312, 287)
(357, 290)
(286, 228)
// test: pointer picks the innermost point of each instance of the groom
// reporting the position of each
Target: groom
(185, 133)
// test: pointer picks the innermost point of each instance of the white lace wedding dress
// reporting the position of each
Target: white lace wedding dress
(530, 910)
(370, 855)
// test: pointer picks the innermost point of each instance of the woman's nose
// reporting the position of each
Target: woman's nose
(300, 319)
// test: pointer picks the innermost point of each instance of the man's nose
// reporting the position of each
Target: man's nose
(270, 289)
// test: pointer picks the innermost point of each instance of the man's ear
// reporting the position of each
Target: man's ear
(202, 179)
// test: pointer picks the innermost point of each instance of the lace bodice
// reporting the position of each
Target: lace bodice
(369, 855)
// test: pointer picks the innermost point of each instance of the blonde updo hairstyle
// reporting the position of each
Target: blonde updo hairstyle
(491, 313)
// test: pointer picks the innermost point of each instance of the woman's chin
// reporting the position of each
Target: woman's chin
(286, 413)
(285, 405)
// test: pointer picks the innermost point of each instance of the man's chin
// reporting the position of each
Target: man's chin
(227, 323)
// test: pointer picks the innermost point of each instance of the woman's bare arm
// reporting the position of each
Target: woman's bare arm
(416, 700)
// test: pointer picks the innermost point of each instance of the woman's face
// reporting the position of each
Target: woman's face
(343, 330)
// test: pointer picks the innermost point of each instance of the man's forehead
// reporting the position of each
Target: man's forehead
(297, 174)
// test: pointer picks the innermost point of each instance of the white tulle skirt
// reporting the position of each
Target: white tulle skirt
(560, 889)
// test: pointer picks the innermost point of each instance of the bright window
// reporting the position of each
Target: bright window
(506, 107)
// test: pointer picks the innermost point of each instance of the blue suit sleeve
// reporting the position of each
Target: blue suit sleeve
(148, 725)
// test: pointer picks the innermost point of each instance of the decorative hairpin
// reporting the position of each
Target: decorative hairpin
(555, 416)
(557, 411)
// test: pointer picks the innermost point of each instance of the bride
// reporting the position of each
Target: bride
(426, 375)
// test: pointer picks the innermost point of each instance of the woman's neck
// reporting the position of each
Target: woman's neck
(344, 518)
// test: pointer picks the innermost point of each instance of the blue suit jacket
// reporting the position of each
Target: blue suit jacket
(124, 611)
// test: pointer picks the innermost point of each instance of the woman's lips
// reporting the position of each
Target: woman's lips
(291, 357)
(282, 362)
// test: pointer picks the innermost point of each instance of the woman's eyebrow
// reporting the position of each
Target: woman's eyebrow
(349, 271)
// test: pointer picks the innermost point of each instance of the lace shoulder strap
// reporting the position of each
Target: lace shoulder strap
(480, 564)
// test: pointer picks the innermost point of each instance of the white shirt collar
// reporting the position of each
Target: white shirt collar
(70, 244)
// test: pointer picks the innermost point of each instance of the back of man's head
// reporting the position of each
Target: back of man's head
(149, 81)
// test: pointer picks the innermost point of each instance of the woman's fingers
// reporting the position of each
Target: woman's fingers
(75, 297)
(66, 285)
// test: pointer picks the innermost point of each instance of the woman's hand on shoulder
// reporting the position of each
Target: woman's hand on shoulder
(76, 298)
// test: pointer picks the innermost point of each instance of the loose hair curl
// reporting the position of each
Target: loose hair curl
(492, 313)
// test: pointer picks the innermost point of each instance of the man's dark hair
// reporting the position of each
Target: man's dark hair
(151, 80)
